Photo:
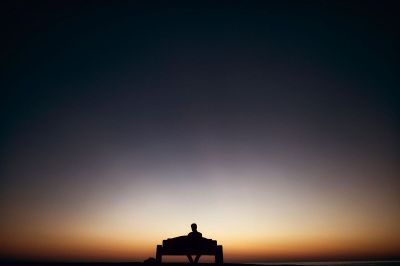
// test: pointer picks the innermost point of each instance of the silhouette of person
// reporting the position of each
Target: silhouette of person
(194, 235)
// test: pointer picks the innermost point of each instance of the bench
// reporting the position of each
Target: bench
(184, 245)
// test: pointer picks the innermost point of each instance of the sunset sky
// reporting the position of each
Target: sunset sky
(274, 127)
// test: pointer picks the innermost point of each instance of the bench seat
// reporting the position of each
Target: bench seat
(184, 245)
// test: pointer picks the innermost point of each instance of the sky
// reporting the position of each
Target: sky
(274, 126)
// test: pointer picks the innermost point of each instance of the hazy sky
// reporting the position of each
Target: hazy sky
(274, 127)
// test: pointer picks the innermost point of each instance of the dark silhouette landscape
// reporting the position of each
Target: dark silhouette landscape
(325, 263)
(192, 244)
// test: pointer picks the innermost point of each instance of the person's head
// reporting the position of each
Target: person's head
(194, 227)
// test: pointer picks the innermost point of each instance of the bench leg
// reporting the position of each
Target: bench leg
(159, 254)
(190, 258)
(219, 257)
(196, 259)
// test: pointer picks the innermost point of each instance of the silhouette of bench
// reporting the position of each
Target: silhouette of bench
(184, 245)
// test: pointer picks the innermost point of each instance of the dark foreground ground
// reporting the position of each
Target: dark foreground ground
(343, 263)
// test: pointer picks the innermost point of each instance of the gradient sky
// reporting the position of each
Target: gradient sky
(274, 127)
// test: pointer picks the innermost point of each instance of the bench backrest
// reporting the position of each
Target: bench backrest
(186, 245)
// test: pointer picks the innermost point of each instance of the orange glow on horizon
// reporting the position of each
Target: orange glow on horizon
(102, 246)
(257, 214)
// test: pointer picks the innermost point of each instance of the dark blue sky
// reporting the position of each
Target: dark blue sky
(133, 73)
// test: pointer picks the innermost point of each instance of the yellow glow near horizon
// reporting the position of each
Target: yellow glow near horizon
(253, 218)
